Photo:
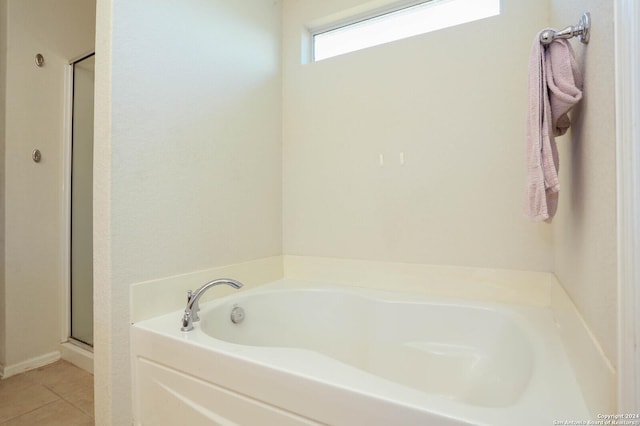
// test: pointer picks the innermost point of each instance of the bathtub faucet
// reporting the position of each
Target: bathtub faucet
(191, 311)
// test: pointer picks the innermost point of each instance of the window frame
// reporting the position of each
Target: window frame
(357, 18)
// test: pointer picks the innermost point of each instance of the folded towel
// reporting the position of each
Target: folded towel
(555, 85)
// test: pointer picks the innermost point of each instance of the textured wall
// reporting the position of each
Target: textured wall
(188, 158)
(454, 102)
(585, 226)
(35, 99)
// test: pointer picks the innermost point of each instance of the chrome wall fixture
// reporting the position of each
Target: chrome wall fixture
(581, 31)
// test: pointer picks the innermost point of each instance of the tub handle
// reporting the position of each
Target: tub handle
(186, 320)
(196, 307)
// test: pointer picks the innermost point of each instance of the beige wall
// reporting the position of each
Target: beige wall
(454, 102)
(585, 226)
(187, 156)
(3, 57)
(61, 31)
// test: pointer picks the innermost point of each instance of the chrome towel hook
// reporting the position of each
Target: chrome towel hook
(581, 31)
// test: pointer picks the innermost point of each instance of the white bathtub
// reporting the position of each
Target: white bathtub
(315, 353)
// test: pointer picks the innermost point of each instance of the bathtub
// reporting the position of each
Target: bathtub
(309, 353)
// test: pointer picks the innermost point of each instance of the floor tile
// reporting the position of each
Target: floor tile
(58, 375)
(19, 395)
(57, 413)
(72, 385)
(15, 383)
(47, 394)
(82, 398)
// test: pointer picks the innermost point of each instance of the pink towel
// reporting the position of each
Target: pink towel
(555, 86)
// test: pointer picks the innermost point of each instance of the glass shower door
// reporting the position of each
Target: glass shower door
(81, 268)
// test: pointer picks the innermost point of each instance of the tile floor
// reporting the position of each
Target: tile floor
(57, 394)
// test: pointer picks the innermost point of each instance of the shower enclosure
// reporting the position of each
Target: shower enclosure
(81, 202)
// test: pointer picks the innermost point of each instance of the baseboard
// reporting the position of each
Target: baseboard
(594, 372)
(29, 364)
(77, 356)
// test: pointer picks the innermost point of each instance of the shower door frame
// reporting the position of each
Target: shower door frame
(81, 352)
(627, 48)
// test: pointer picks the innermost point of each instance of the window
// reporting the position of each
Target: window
(394, 24)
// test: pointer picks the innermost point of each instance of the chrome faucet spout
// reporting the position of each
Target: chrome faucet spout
(191, 311)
